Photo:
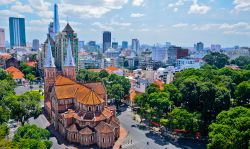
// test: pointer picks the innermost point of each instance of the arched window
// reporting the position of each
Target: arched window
(89, 109)
(97, 108)
(103, 140)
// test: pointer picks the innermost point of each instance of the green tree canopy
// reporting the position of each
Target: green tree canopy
(231, 129)
(182, 119)
(216, 59)
(31, 136)
(242, 61)
(243, 93)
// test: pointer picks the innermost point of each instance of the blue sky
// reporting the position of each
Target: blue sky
(181, 22)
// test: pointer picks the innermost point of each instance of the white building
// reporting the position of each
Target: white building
(2, 38)
(159, 54)
(182, 64)
(112, 53)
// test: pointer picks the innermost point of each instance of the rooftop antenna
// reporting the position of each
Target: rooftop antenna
(67, 20)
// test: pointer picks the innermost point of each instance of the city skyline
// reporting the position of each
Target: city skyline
(181, 22)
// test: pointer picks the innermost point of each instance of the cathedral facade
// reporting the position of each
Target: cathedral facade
(79, 112)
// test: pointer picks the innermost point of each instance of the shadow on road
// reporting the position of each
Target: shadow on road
(182, 142)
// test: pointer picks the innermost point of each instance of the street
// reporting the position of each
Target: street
(141, 137)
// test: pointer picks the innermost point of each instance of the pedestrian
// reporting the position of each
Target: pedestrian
(131, 141)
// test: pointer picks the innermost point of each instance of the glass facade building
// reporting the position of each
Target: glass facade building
(17, 32)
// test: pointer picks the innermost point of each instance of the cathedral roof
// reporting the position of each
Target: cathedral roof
(66, 88)
(72, 128)
(90, 98)
(86, 131)
(60, 80)
(103, 127)
(49, 60)
(69, 60)
(98, 87)
(68, 28)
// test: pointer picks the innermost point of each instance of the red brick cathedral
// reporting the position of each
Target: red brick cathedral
(79, 112)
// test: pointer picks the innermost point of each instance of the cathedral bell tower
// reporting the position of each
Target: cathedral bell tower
(49, 72)
(69, 64)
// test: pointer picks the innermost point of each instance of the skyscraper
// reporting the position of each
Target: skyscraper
(199, 46)
(17, 32)
(106, 40)
(115, 45)
(56, 26)
(50, 29)
(135, 45)
(35, 45)
(2, 38)
(124, 44)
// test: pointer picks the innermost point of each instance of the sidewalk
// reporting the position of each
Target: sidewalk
(123, 135)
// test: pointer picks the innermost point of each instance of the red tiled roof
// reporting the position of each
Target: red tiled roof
(5, 56)
(110, 69)
(86, 131)
(103, 127)
(159, 83)
(16, 73)
(66, 88)
(72, 128)
(98, 87)
(32, 63)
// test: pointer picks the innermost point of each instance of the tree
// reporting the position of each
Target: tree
(216, 59)
(242, 61)
(116, 92)
(87, 76)
(243, 93)
(6, 89)
(31, 136)
(103, 74)
(23, 106)
(175, 94)
(5, 114)
(152, 88)
(4, 131)
(26, 69)
(30, 77)
(231, 129)
(182, 119)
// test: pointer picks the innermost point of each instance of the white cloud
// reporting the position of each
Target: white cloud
(175, 6)
(223, 26)
(196, 8)
(137, 2)
(84, 9)
(19, 7)
(40, 5)
(233, 32)
(8, 13)
(136, 15)
(241, 5)
(41, 8)
(102, 26)
(4, 2)
(180, 25)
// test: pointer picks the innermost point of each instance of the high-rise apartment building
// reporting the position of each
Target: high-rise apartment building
(2, 38)
(135, 45)
(199, 46)
(35, 45)
(124, 44)
(115, 45)
(106, 40)
(175, 53)
(17, 32)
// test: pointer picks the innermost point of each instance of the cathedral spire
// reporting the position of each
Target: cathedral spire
(49, 60)
(69, 61)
